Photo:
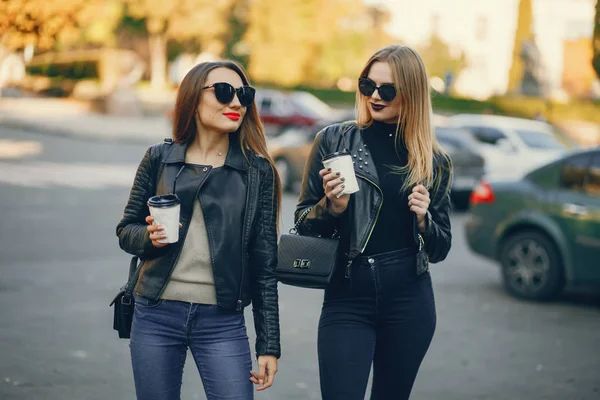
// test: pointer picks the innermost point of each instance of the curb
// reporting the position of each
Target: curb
(131, 138)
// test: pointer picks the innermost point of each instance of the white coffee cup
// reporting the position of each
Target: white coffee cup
(341, 162)
(165, 210)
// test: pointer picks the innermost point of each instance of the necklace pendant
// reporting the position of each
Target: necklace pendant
(220, 154)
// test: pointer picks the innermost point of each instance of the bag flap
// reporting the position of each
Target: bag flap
(306, 255)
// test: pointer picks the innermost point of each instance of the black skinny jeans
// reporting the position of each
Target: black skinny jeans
(384, 316)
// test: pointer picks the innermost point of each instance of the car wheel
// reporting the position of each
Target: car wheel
(285, 173)
(531, 266)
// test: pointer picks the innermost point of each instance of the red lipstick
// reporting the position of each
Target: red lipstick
(232, 116)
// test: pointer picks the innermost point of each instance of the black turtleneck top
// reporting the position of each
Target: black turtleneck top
(394, 227)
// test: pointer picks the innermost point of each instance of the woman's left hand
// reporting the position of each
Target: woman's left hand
(418, 202)
(267, 368)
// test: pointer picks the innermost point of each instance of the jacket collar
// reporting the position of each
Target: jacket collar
(235, 158)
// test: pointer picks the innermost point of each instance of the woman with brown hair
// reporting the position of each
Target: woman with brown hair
(191, 293)
(379, 308)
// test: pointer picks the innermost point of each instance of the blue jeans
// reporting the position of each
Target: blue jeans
(161, 333)
(384, 316)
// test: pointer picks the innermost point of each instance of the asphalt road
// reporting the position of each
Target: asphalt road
(60, 265)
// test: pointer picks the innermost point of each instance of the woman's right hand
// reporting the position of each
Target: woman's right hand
(333, 185)
(156, 232)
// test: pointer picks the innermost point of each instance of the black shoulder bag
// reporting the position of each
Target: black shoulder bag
(124, 303)
(306, 261)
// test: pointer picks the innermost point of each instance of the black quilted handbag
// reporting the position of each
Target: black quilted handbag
(306, 261)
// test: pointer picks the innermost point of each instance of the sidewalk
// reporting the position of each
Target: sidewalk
(74, 119)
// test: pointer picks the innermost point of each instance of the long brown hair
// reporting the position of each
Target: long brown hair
(414, 125)
(251, 132)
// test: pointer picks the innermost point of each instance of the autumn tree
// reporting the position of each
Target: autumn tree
(201, 20)
(235, 48)
(296, 42)
(42, 22)
(523, 34)
(438, 58)
(596, 40)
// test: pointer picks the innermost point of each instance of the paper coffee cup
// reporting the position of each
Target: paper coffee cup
(165, 210)
(341, 162)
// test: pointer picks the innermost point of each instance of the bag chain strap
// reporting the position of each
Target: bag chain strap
(294, 230)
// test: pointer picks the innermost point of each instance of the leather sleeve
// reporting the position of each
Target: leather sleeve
(263, 260)
(319, 220)
(438, 236)
(131, 230)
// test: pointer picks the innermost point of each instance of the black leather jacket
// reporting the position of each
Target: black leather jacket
(355, 225)
(243, 265)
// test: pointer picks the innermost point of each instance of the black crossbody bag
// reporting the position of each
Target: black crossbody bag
(124, 304)
(306, 261)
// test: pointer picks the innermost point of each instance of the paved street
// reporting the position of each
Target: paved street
(60, 265)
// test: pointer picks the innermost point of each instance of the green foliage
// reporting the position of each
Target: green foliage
(72, 71)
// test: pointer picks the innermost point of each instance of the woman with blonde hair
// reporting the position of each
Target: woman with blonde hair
(379, 307)
(191, 294)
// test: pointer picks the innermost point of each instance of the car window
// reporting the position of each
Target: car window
(486, 135)
(265, 105)
(592, 184)
(311, 105)
(573, 171)
(539, 140)
(448, 144)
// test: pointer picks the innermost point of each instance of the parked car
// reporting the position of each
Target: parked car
(291, 149)
(469, 165)
(544, 228)
(280, 110)
(521, 143)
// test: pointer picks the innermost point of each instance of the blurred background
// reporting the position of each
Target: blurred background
(87, 85)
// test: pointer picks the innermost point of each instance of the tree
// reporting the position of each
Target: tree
(596, 41)
(438, 58)
(202, 20)
(235, 48)
(41, 22)
(523, 34)
(295, 42)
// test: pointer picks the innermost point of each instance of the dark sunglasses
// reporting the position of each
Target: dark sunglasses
(367, 87)
(224, 93)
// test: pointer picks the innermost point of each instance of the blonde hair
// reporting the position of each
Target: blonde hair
(414, 124)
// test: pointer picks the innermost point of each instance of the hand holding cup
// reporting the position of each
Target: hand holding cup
(156, 232)
(333, 185)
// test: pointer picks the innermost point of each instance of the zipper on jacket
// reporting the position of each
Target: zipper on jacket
(245, 251)
(378, 210)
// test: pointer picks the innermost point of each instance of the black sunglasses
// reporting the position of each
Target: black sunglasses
(224, 93)
(367, 87)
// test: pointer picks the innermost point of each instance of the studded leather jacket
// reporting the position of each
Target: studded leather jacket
(356, 224)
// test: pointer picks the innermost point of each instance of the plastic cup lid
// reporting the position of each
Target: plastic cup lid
(163, 201)
(336, 154)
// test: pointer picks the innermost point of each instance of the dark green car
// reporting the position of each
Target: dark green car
(543, 229)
